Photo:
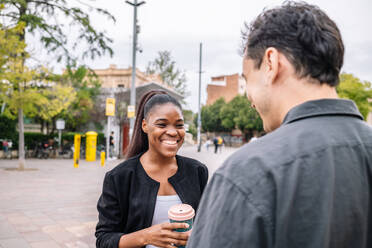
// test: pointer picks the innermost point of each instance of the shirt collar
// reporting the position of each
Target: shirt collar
(322, 107)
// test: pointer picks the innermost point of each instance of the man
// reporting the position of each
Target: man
(215, 143)
(307, 183)
(112, 144)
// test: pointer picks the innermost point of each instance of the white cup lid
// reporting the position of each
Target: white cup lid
(181, 212)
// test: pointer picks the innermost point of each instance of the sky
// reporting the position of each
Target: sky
(179, 26)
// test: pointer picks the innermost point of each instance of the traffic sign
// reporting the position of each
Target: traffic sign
(131, 111)
(110, 106)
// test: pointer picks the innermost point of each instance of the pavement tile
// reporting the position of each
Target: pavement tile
(52, 228)
(77, 244)
(88, 218)
(11, 213)
(60, 217)
(79, 231)
(63, 236)
(36, 236)
(19, 219)
(45, 244)
(7, 231)
(68, 223)
(89, 239)
(32, 214)
(14, 243)
(91, 225)
(26, 228)
(42, 222)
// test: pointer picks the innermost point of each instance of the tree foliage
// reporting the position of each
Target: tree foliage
(189, 119)
(224, 117)
(86, 85)
(54, 100)
(17, 80)
(238, 113)
(39, 96)
(165, 66)
(210, 117)
(52, 21)
(360, 92)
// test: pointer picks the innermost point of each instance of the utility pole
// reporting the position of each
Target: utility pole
(134, 50)
(199, 109)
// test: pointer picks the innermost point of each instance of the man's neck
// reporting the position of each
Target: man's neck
(301, 91)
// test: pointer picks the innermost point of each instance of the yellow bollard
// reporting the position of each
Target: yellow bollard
(91, 146)
(103, 155)
(77, 140)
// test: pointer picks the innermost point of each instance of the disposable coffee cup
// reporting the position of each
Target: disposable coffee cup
(181, 213)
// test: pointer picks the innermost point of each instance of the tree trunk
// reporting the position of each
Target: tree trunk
(21, 141)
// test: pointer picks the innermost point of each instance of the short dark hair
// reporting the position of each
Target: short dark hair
(308, 38)
(139, 142)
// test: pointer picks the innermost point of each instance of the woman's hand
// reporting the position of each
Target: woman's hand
(162, 235)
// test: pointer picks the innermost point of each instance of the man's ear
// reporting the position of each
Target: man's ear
(271, 63)
(144, 126)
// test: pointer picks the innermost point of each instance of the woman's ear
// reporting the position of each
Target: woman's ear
(144, 126)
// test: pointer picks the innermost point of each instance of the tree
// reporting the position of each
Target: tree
(165, 66)
(86, 85)
(210, 117)
(189, 117)
(40, 18)
(352, 88)
(53, 101)
(238, 113)
(16, 79)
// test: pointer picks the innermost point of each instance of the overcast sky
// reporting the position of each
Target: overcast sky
(180, 25)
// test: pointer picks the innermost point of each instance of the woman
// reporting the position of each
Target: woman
(137, 193)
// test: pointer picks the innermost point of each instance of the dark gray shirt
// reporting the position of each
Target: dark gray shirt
(306, 184)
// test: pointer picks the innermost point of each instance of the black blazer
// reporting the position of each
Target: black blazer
(128, 197)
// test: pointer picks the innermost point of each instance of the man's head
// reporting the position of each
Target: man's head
(295, 40)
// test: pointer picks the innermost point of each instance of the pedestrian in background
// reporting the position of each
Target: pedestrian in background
(112, 144)
(136, 194)
(220, 143)
(215, 143)
(208, 143)
(254, 138)
(308, 182)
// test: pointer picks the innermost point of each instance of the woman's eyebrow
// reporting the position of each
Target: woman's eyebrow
(161, 119)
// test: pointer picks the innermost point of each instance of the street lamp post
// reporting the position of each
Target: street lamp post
(199, 109)
(134, 50)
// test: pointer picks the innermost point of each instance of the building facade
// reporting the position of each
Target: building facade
(225, 86)
(114, 77)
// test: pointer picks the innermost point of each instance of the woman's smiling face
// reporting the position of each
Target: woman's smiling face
(164, 126)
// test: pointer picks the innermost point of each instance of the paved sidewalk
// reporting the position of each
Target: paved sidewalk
(52, 204)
